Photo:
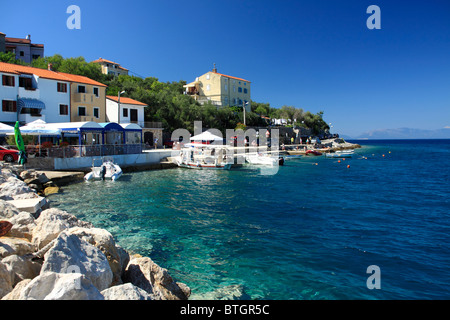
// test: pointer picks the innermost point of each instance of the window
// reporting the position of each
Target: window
(36, 56)
(234, 88)
(97, 113)
(9, 106)
(25, 83)
(81, 89)
(208, 87)
(225, 101)
(245, 90)
(8, 81)
(96, 92)
(81, 111)
(239, 89)
(125, 112)
(207, 76)
(63, 109)
(226, 87)
(62, 87)
(22, 53)
(133, 115)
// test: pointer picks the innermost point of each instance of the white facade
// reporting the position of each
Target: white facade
(53, 100)
(129, 113)
(41, 91)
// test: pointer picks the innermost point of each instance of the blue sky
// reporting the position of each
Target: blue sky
(317, 55)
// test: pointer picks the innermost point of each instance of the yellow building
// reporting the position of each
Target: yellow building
(111, 67)
(87, 99)
(220, 89)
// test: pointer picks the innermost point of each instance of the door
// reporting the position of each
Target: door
(148, 138)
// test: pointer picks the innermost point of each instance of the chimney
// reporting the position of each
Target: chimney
(50, 67)
(215, 69)
(28, 37)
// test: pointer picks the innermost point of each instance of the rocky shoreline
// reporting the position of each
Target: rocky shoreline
(52, 255)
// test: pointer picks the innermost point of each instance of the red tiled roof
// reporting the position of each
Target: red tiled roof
(126, 100)
(224, 75)
(47, 74)
(82, 79)
(17, 40)
(100, 60)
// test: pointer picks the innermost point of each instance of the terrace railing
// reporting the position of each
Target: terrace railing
(74, 151)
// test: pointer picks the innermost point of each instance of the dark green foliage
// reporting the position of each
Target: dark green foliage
(168, 103)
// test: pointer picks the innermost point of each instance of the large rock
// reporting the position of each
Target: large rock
(60, 286)
(15, 293)
(147, 275)
(5, 280)
(19, 246)
(7, 210)
(21, 268)
(13, 187)
(125, 291)
(71, 254)
(23, 225)
(104, 241)
(51, 223)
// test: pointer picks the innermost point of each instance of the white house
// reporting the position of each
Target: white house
(28, 94)
(131, 111)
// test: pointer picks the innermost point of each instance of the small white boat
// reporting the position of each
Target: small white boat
(340, 154)
(203, 156)
(108, 170)
(264, 160)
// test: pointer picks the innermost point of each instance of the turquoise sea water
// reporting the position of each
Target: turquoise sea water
(308, 232)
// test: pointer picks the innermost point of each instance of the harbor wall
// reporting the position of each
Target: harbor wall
(126, 160)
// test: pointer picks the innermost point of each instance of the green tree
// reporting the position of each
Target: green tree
(10, 57)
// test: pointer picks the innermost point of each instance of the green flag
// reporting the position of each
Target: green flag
(19, 143)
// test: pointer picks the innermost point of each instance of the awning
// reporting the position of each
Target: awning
(191, 85)
(131, 127)
(30, 103)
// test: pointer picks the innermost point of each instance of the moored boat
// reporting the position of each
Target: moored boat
(264, 159)
(313, 153)
(340, 154)
(203, 156)
(108, 170)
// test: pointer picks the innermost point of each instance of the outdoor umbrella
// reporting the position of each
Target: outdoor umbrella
(206, 136)
(39, 128)
(20, 145)
(4, 128)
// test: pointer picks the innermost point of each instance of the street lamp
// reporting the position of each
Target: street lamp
(118, 107)
(243, 107)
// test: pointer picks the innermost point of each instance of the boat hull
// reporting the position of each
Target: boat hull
(197, 166)
(112, 172)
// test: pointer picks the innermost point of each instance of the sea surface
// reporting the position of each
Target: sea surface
(311, 231)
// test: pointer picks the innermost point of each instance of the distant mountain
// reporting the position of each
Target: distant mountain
(406, 133)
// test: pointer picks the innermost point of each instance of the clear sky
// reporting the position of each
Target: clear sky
(317, 55)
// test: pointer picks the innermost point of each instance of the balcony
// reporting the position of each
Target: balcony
(84, 97)
(86, 118)
(145, 124)
(27, 118)
(29, 93)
